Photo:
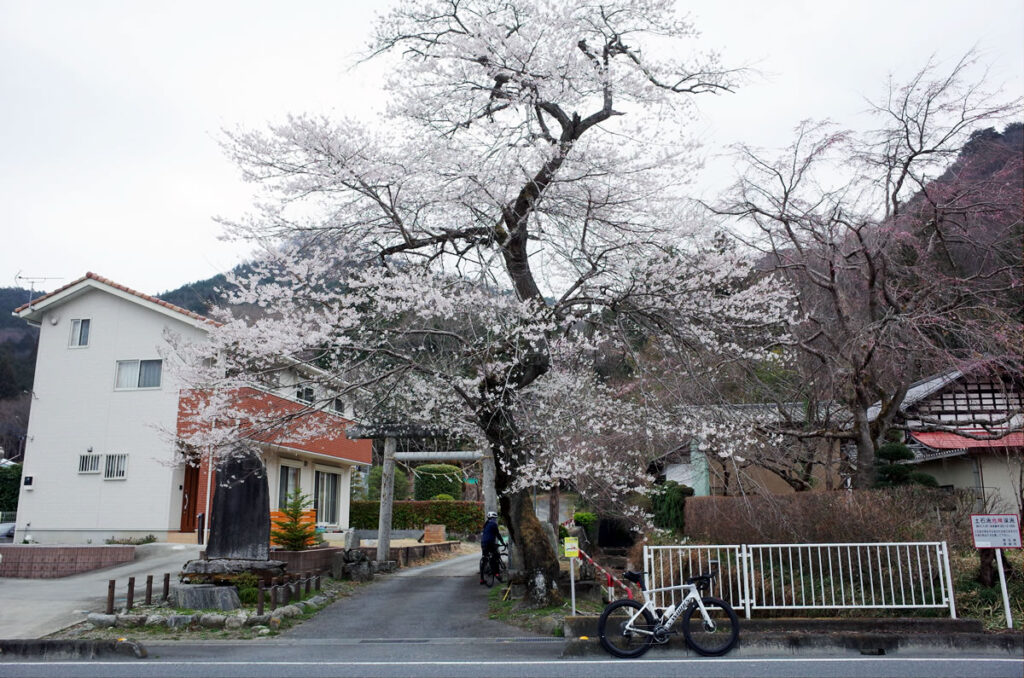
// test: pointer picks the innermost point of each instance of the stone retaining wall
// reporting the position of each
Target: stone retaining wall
(404, 555)
(36, 561)
(317, 561)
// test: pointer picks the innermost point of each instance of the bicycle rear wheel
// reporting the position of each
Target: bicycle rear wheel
(486, 571)
(618, 636)
(717, 637)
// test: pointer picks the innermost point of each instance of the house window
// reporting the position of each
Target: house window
(288, 483)
(133, 374)
(88, 463)
(79, 333)
(325, 497)
(338, 406)
(116, 467)
(304, 394)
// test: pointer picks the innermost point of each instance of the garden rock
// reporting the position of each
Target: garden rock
(179, 621)
(204, 597)
(359, 571)
(385, 566)
(101, 621)
(234, 622)
(257, 620)
(318, 601)
(212, 621)
(274, 624)
(130, 620)
(156, 620)
(260, 630)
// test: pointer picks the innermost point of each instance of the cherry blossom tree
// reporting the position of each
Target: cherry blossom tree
(905, 252)
(458, 263)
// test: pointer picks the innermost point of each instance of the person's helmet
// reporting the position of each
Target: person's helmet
(492, 514)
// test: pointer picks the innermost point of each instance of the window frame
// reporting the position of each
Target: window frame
(75, 339)
(301, 390)
(138, 374)
(288, 464)
(116, 463)
(319, 471)
(89, 464)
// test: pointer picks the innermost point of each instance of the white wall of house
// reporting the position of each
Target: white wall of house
(76, 407)
(307, 465)
(992, 473)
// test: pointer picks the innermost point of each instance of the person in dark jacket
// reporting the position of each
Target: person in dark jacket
(490, 538)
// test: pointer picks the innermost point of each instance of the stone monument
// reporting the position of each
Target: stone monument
(239, 528)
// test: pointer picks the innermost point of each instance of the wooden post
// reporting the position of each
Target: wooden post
(309, 583)
(490, 495)
(131, 592)
(167, 585)
(149, 589)
(110, 595)
(318, 577)
(387, 496)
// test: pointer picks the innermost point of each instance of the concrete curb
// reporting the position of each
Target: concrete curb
(68, 649)
(843, 644)
(831, 636)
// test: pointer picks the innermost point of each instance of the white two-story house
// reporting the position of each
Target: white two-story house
(101, 458)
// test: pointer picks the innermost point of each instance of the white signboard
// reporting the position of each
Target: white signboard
(996, 531)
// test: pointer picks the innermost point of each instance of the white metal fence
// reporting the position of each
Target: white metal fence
(810, 576)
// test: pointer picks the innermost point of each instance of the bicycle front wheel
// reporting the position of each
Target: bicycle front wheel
(622, 637)
(714, 637)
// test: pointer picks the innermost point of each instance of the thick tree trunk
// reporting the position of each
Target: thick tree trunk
(540, 563)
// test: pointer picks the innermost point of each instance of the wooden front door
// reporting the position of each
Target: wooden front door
(190, 498)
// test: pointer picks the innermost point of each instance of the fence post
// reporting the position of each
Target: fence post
(167, 585)
(318, 577)
(149, 589)
(131, 593)
(110, 595)
(949, 580)
(309, 583)
(746, 576)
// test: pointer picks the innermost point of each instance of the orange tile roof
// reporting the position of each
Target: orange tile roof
(111, 283)
(281, 422)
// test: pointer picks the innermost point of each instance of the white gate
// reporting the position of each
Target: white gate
(811, 576)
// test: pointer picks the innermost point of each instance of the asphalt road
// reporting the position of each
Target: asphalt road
(432, 621)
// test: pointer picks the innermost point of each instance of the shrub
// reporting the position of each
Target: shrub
(401, 483)
(588, 521)
(10, 485)
(435, 479)
(132, 541)
(295, 532)
(442, 497)
(906, 513)
(668, 502)
(460, 517)
(892, 473)
(248, 591)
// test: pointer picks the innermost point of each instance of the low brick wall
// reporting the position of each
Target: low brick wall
(404, 555)
(36, 561)
(317, 561)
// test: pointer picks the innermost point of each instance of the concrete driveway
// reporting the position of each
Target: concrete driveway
(33, 608)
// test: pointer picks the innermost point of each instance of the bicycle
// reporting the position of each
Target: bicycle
(494, 571)
(628, 629)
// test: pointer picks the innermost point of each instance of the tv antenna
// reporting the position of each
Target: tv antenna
(19, 279)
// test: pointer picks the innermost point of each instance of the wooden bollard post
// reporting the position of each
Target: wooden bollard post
(167, 586)
(131, 593)
(110, 595)
(149, 589)
(260, 596)
(309, 583)
(317, 583)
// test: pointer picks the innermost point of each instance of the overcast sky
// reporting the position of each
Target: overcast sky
(110, 110)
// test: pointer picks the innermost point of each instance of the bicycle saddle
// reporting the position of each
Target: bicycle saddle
(635, 577)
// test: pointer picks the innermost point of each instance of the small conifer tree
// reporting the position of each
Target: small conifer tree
(292, 532)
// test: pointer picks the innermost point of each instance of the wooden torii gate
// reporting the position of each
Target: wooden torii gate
(387, 481)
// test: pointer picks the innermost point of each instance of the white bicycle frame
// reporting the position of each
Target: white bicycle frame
(667, 621)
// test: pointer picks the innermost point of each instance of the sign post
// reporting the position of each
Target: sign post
(998, 531)
(572, 552)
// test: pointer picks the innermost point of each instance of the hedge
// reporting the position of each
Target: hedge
(460, 517)
(435, 479)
